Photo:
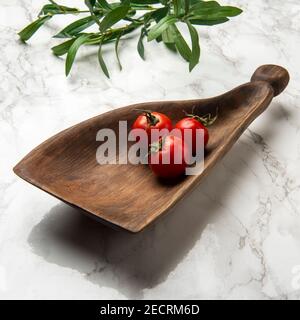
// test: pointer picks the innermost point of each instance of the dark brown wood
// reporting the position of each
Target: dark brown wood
(130, 196)
(277, 77)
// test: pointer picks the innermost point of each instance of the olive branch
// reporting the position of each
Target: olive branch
(156, 19)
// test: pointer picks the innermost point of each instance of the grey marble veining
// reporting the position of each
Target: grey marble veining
(236, 236)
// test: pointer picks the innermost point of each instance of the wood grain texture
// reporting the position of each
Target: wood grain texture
(130, 196)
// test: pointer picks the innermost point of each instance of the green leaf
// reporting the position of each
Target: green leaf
(62, 48)
(73, 50)
(168, 39)
(205, 5)
(179, 7)
(176, 5)
(180, 43)
(195, 54)
(29, 31)
(171, 46)
(168, 36)
(186, 6)
(230, 11)
(162, 25)
(158, 39)
(90, 4)
(208, 17)
(114, 16)
(204, 22)
(144, 1)
(116, 49)
(101, 61)
(75, 27)
(192, 2)
(140, 45)
(56, 9)
(158, 14)
(104, 4)
(212, 10)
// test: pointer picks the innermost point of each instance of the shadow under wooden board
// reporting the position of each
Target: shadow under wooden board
(130, 196)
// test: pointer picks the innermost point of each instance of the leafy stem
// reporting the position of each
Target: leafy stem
(158, 20)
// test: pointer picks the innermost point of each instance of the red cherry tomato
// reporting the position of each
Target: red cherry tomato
(193, 124)
(166, 149)
(152, 120)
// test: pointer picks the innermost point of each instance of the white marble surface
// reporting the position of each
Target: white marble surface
(236, 236)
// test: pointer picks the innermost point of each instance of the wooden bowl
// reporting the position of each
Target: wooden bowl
(130, 196)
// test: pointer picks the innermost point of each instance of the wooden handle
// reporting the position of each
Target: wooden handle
(276, 76)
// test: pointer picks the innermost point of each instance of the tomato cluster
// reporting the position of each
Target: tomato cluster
(167, 146)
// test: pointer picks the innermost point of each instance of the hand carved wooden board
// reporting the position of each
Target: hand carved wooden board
(130, 196)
